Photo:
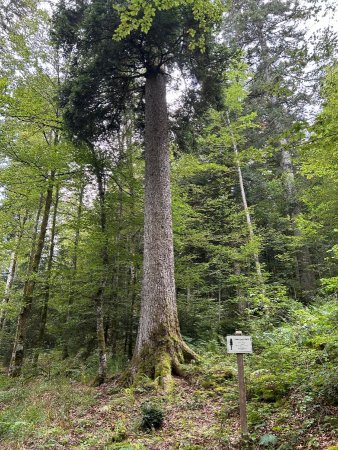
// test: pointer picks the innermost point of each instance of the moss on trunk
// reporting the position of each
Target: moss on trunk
(161, 358)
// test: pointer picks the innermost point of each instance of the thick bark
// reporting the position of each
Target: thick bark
(21, 330)
(44, 311)
(159, 346)
(305, 275)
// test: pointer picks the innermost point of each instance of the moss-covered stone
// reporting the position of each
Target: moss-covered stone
(218, 378)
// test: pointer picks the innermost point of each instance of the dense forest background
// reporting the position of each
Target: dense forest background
(253, 111)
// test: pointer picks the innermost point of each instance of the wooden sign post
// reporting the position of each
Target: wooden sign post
(240, 344)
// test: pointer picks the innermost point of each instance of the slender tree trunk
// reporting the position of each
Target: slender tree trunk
(99, 296)
(9, 283)
(304, 273)
(239, 291)
(188, 299)
(116, 275)
(44, 311)
(21, 330)
(11, 275)
(35, 232)
(219, 305)
(132, 285)
(65, 350)
(245, 203)
(133, 251)
(13, 267)
(159, 346)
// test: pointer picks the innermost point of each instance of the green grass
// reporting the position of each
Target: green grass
(39, 408)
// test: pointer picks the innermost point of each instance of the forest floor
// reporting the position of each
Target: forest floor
(199, 413)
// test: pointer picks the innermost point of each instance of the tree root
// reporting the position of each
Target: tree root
(162, 362)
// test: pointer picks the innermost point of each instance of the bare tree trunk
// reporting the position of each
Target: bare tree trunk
(11, 274)
(9, 283)
(44, 311)
(116, 274)
(21, 330)
(10, 278)
(132, 287)
(133, 263)
(35, 231)
(242, 304)
(245, 203)
(159, 346)
(65, 350)
(13, 267)
(99, 296)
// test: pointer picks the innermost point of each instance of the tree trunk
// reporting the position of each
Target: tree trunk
(35, 231)
(21, 330)
(99, 296)
(9, 283)
(65, 350)
(159, 346)
(10, 279)
(245, 203)
(11, 275)
(112, 335)
(133, 259)
(242, 304)
(132, 289)
(44, 311)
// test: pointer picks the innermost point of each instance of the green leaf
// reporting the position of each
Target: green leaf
(268, 439)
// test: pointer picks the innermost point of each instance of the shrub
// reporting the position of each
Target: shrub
(268, 440)
(267, 387)
(120, 432)
(326, 386)
(152, 416)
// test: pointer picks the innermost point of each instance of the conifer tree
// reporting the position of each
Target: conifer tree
(148, 41)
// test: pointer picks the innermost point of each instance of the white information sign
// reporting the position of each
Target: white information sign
(239, 344)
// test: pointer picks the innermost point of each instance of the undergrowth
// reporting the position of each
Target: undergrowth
(292, 383)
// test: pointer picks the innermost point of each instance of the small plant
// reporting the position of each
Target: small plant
(327, 387)
(120, 431)
(268, 439)
(268, 388)
(152, 416)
